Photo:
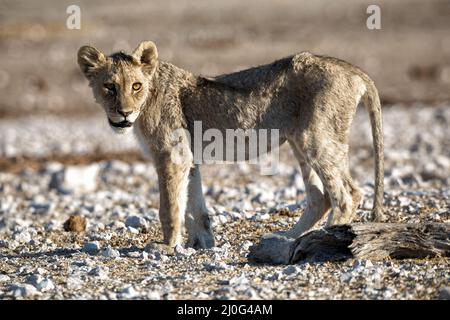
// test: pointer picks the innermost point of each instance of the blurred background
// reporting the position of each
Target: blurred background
(409, 58)
(42, 89)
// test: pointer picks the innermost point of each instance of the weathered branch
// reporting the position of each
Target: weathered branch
(375, 241)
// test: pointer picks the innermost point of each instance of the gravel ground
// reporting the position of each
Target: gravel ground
(115, 258)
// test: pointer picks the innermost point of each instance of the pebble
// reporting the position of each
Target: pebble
(117, 166)
(153, 295)
(41, 283)
(136, 222)
(263, 217)
(91, 247)
(346, 277)
(290, 270)
(246, 245)
(78, 179)
(240, 280)
(40, 207)
(22, 236)
(23, 290)
(117, 225)
(129, 293)
(444, 293)
(182, 251)
(110, 252)
(133, 230)
(4, 278)
(53, 225)
(263, 197)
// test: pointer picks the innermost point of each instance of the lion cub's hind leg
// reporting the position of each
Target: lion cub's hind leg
(327, 160)
(354, 191)
(317, 201)
(197, 219)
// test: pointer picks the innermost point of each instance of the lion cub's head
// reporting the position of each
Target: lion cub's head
(120, 82)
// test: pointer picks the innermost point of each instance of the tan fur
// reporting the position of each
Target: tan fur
(311, 99)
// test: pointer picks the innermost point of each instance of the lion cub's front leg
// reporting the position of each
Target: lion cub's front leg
(173, 182)
(198, 224)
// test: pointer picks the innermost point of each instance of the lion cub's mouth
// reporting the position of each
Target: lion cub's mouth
(122, 124)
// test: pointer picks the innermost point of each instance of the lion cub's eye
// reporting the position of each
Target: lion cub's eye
(137, 86)
(110, 87)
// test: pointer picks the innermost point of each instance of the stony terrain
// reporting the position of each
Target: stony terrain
(115, 258)
(59, 158)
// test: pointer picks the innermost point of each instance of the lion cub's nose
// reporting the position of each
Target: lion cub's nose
(124, 113)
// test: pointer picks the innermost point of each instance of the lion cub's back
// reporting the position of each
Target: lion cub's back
(255, 77)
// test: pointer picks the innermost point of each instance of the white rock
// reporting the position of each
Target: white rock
(263, 217)
(133, 230)
(152, 214)
(360, 264)
(346, 277)
(263, 197)
(78, 179)
(222, 218)
(117, 166)
(128, 293)
(249, 215)
(133, 254)
(117, 225)
(51, 167)
(53, 225)
(23, 290)
(110, 252)
(136, 222)
(180, 250)
(41, 271)
(22, 236)
(246, 245)
(91, 247)
(367, 204)
(41, 283)
(153, 295)
(241, 280)
(41, 206)
(404, 201)
(4, 278)
(139, 168)
(74, 283)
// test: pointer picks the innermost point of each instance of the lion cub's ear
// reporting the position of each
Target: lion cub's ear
(89, 60)
(146, 53)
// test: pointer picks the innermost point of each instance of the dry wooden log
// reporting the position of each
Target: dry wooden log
(375, 241)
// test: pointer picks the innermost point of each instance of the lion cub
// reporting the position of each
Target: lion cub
(310, 99)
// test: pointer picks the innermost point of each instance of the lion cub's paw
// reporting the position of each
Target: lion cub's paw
(201, 240)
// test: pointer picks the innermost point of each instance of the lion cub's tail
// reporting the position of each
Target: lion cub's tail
(373, 106)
